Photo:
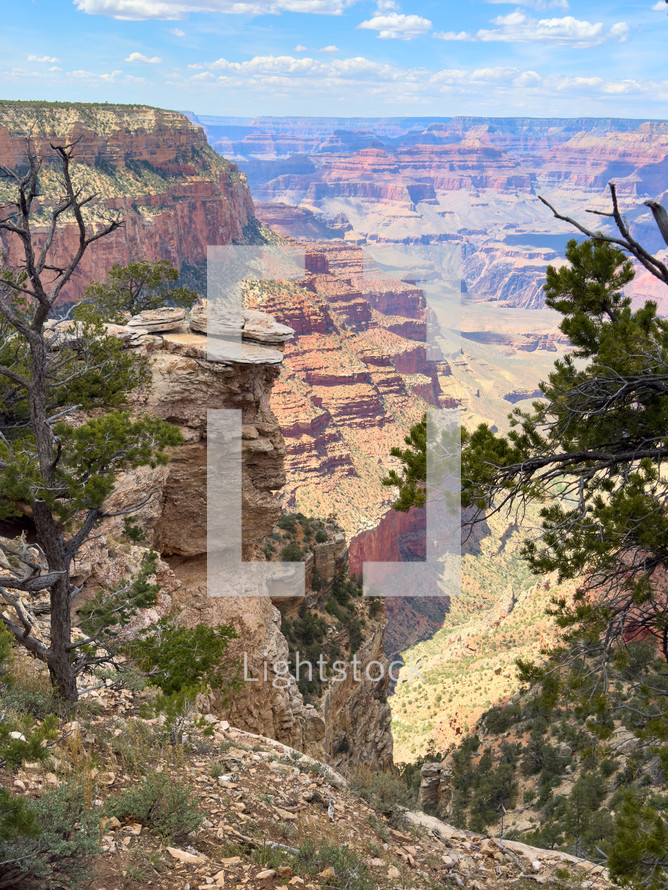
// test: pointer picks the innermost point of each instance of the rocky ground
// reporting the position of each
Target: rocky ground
(272, 817)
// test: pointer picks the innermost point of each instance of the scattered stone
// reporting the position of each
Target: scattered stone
(623, 741)
(185, 856)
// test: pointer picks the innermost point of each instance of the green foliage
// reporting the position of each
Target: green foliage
(132, 531)
(109, 610)
(29, 745)
(292, 552)
(5, 647)
(588, 292)
(412, 481)
(639, 849)
(162, 804)
(181, 658)
(48, 842)
(388, 792)
(494, 788)
(134, 288)
(350, 870)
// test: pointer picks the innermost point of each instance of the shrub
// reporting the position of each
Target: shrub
(292, 552)
(49, 842)
(350, 871)
(166, 807)
(287, 523)
(386, 792)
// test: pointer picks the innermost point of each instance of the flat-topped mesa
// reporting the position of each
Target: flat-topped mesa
(152, 167)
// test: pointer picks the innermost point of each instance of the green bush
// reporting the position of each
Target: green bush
(47, 843)
(166, 807)
(386, 792)
(350, 870)
(292, 552)
(287, 523)
(13, 751)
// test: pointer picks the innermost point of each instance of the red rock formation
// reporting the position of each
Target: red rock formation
(353, 381)
(153, 167)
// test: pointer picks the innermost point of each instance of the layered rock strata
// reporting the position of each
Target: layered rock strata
(153, 168)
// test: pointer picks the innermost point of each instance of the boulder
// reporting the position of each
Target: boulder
(623, 741)
(167, 318)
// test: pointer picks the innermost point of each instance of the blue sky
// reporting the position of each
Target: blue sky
(536, 58)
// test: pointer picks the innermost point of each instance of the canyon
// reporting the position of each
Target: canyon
(470, 186)
(374, 347)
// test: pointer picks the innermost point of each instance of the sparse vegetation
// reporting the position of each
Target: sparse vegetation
(162, 804)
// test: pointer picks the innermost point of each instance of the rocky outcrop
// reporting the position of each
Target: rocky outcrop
(435, 786)
(357, 715)
(154, 168)
(186, 383)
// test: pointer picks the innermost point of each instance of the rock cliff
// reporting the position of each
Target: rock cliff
(153, 167)
(355, 377)
(184, 385)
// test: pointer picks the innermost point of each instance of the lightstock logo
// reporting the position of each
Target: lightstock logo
(435, 269)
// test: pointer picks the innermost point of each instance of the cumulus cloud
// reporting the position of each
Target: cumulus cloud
(341, 79)
(177, 32)
(51, 59)
(300, 49)
(140, 57)
(659, 6)
(397, 26)
(518, 27)
(139, 10)
(329, 49)
(386, 5)
(265, 67)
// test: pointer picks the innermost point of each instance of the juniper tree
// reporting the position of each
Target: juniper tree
(592, 450)
(59, 458)
(128, 290)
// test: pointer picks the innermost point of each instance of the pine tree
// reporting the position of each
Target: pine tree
(57, 464)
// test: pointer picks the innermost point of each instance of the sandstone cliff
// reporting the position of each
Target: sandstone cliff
(184, 385)
(153, 167)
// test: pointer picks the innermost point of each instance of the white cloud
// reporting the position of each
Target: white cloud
(453, 35)
(300, 49)
(386, 5)
(395, 25)
(659, 6)
(341, 79)
(329, 49)
(177, 32)
(139, 10)
(518, 27)
(51, 59)
(266, 67)
(140, 57)
(534, 4)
